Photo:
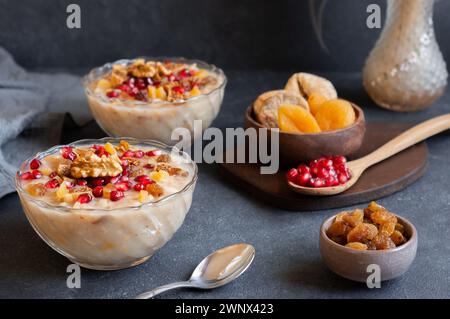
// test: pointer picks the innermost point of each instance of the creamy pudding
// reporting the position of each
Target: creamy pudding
(107, 204)
(148, 99)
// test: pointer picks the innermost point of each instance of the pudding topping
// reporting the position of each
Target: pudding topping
(102, 173)
(153, 80)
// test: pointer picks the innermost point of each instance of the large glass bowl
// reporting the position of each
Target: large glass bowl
(106, 239)
(158, 119)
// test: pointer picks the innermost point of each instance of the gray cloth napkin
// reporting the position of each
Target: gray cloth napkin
(32, 109)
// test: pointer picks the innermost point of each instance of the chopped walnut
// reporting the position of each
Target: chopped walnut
(142, 69)
(64, 168)
(88, 164)
(155, 190)
(163, 158)
(119, 74)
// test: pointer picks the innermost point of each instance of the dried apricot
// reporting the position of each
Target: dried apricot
(295, 119)
(398, 238)
(362, 233)
(335, 114)
(353, 218)
(383, 242)
(315, 100)
(357, 246)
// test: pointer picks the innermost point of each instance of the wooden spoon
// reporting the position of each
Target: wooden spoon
(408, 138)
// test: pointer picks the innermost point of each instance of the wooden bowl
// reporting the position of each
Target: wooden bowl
(302, 148)
(352, 264)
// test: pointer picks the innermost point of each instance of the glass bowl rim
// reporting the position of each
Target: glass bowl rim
(90, 76)
(151, 143)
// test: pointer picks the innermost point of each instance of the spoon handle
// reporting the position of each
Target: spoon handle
(157, 291)
(408, 138)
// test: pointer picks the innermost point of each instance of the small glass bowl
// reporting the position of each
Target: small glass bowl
(154, 120)
(109, 239)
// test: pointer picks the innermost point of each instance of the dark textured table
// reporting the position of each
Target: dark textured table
(287, 263)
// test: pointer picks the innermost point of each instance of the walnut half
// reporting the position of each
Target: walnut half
(88, 164)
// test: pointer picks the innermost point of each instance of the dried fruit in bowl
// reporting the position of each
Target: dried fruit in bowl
(295, 119)
(374, 229)
(266, 106)
(335, 115)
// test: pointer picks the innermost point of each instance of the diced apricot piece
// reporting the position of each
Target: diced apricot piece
(335, 115)
(151, 90)
(104, 84)
(195, 91)
(143, 196)
(160, 93)
(110, 148)
(315, 100)
(295, 119)
(158, 176)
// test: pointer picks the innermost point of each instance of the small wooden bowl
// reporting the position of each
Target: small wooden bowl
(302, 148)
(352, 264)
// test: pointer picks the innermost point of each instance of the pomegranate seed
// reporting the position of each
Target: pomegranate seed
(116, 195)
(53, 183)
(82, 182)
(131, 82)
(124, 179)
(113, 180)
(53, 175)
(112, 94)
(139, 187)
(303, 169)
(123, 186)
(84, 198)
(141, 84)
(26, 176)
(172, 78)
(178, 89)
(35, 164)
(139, 154)
(292, 175)
(36, 174)
(133, 92)
(303, 179)
(67, 153)
(153, 153)
(97, 191)
(142, 179)
(124, 88)
(319, 183)
(148, 81)
(323, 173)
(124, 163)
(149, 166)
(128, 154)
(98, 181)
(339, 160)
(325, 162)
(342, 178)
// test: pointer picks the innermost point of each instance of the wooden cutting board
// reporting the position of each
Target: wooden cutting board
(383, 179)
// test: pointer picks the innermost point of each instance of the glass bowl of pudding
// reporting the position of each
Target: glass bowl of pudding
(110, 203)
(148, 98)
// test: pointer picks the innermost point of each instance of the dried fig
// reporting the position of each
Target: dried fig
(267, 104)
(305, 84)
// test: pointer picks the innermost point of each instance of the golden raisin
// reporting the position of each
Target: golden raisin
(382, 216)
(37, 189)
(155, 190)
(388, 227)
(357, 246)
(398, 238)
(362, 233)
(353, 218)
(400, 228)
(338, 229)
(383, 242)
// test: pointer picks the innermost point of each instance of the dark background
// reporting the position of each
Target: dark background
(234, 34)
